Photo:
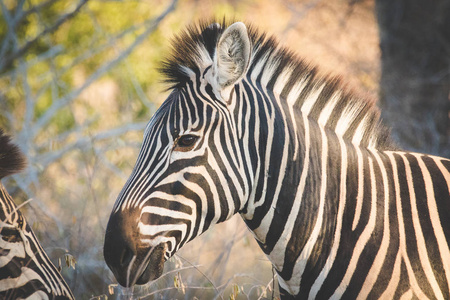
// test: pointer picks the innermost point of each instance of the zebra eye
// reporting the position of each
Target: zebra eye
(186, 142)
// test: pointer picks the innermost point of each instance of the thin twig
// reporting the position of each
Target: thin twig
(203, 274)
(83, 142)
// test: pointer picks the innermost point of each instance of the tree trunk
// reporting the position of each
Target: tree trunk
(415, 75)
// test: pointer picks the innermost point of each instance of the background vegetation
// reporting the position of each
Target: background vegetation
(78, 83)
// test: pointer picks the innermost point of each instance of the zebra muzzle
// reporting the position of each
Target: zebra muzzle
(131, 261)
(139, 267)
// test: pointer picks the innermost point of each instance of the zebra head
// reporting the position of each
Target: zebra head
(176, 190)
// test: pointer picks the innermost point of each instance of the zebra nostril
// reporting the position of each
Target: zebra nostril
(126, 257)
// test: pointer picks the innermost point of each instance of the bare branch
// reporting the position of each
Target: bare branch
(10, 39)
(83, 142)
(38, 7)
(62, 102)
(6, 61)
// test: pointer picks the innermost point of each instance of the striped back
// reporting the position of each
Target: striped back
(25, 269)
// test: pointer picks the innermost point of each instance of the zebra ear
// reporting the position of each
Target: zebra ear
(232, 55)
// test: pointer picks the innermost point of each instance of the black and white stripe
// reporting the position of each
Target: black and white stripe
(336, 207)
(26, 272)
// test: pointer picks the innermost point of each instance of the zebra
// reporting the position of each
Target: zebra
(251, 128)
(26, 272)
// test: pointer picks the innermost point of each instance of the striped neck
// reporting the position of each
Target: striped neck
(301, 133)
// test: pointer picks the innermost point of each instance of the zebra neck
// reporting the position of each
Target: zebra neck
(298, 185)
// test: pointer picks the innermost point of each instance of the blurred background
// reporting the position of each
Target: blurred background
(79, 82)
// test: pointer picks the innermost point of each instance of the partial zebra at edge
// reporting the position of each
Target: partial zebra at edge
(26, 272)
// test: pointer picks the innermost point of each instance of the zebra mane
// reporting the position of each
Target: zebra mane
(12, 159)
(193, 51)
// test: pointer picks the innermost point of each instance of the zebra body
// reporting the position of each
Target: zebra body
(26, 272)
(249, 128)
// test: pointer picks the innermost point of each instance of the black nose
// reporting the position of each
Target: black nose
(120, 248)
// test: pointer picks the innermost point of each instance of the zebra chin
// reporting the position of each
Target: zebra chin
(131, 261)
(152, 268)
(140, 268)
